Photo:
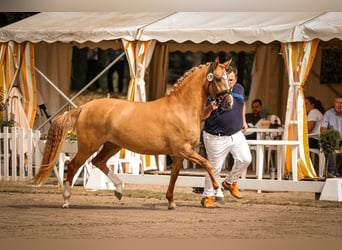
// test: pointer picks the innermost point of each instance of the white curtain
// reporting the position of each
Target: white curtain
(298, 57)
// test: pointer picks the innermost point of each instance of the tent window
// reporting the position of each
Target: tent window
(180, 62)
(331, 66)
(87, 63)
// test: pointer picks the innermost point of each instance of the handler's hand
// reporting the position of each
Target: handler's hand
(213, 105)
(245, 126)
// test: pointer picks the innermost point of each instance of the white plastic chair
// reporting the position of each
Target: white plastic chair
(115, 163)
(321, 157)
(131, 158)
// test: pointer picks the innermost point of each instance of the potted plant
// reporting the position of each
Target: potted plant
(3, 109)
(265, 122)
(70, 144)
(329, 142)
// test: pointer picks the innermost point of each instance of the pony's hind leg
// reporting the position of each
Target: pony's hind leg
(72, 167)
(176, 166)
(100, 161)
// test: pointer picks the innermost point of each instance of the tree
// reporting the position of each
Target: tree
(7, 18)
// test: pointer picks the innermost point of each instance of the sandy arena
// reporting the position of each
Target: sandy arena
(28, 212)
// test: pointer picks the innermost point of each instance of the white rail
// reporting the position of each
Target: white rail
(20, 156)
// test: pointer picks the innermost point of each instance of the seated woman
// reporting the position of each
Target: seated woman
(315, 113)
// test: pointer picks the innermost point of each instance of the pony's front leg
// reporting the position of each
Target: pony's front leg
(198, 159)
(212, 176)
(176, 165)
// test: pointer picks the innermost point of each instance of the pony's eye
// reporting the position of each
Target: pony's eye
(217, 76)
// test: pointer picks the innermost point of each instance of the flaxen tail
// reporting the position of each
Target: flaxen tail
(55, 140)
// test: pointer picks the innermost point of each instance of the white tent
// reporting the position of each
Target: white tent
(54, 34)
(214, 27)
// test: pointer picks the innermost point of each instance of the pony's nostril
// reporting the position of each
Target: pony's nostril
(227, 103)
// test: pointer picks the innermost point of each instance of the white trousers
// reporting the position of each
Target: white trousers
(218, 148)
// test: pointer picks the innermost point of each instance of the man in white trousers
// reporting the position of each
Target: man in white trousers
(222, 135)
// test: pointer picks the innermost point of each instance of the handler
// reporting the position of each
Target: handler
(222, 135)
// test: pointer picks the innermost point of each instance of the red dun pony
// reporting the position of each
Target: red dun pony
(170, 125)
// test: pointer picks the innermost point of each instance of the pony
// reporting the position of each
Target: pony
(168, 125)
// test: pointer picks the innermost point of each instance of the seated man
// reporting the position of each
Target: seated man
(254, 117)
(332, 119)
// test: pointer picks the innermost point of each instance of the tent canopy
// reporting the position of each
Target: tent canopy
(248, 27)
(78, 27)
(213, 27)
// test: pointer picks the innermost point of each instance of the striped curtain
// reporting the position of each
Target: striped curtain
(298, 58)
(17, 68)
(139, 54)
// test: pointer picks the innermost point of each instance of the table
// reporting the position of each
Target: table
(262, 141)
(263, 133)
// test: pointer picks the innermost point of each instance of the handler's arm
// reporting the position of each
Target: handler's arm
(210, 108)
(245, 126)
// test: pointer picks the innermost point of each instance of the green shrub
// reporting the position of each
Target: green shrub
(329, 141)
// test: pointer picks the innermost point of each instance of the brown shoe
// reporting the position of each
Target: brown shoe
(208, 202)
(232, 188)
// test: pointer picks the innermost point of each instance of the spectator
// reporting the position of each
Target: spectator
(253, 118)
(93, 67)
(315, 113)
(332, 119)
(119, 67)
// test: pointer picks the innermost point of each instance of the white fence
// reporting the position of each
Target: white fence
(20, 155)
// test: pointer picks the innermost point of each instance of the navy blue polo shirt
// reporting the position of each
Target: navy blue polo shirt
(227, 122)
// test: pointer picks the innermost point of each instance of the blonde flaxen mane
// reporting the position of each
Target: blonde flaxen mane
(180, 80)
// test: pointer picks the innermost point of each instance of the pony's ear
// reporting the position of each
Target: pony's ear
(217, 62)
(227, 63)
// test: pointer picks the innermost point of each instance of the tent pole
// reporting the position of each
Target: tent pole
(82, 90)
(55, 87)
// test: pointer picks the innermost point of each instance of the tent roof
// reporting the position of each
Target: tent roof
(78, 27)
(197, 27)
(248, 27)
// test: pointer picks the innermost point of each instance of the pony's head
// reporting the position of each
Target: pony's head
(218, 86)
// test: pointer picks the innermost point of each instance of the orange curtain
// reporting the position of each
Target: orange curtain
(17, 68)
(298, 58)
(139, 54)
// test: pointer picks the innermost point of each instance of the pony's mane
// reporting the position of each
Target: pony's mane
(181, 79)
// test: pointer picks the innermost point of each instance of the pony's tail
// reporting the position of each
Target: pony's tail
(55, 140)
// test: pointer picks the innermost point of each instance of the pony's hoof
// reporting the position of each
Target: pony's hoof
(65, 206)
(118, 195)
(174, 207)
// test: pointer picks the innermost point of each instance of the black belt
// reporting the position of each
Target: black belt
(218, 134)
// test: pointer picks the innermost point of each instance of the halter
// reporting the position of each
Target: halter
(211, 79)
